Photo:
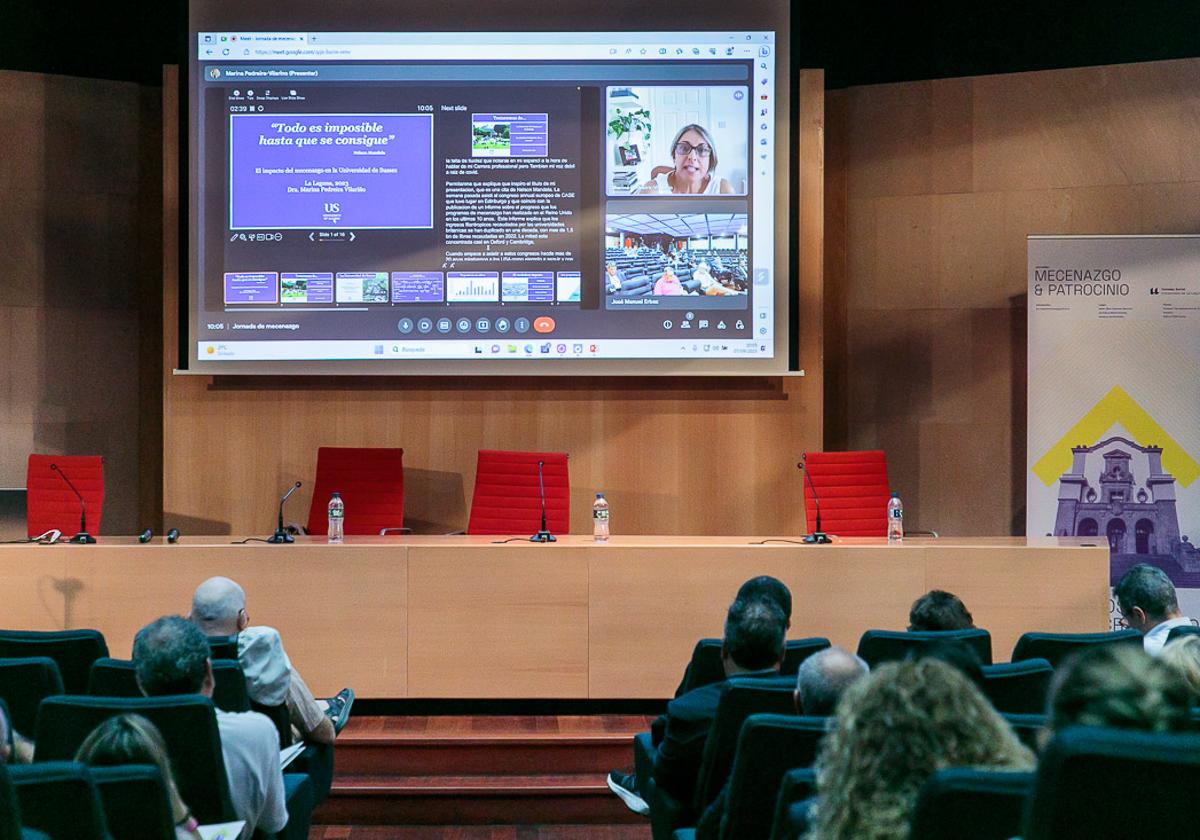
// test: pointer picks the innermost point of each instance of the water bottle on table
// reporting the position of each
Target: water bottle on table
(337, 516)
(895, 518)
(600, 519)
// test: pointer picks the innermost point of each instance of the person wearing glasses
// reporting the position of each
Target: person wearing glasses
(694, 172)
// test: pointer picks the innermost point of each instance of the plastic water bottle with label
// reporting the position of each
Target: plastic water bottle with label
(337, 516)
(895, 518)
(600, 519)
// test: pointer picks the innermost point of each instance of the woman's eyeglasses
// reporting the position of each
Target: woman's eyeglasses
(683, 148)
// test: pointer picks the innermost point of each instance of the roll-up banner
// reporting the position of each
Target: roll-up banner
(1113, 446)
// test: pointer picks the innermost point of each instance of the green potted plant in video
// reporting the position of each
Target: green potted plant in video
(626, 124)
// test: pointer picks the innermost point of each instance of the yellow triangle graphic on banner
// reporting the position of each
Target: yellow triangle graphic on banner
(1117, 407)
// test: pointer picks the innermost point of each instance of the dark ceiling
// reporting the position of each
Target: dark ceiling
(857, 42)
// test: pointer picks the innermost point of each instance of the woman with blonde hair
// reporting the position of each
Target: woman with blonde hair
(1121, 687)
(1183, 654)
(131, 739)
(892, 731)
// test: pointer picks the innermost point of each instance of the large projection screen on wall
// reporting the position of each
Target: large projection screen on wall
(464, 190)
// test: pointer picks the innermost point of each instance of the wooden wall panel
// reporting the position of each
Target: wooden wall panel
(943, 180)
(673, 456)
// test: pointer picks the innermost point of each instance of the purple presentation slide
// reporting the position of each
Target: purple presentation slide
(534, 286)
(304, 171)
(306, 286)
(251, 287)
(418, 287)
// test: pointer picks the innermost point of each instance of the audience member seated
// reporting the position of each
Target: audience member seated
(171, 657)
(823, 678)
(131, 739)
(892, 731)
(612, 277)
(1146, 598)
(219, 609)
(938, 610)
(14, 747)
(753, 646)
(668, 284)
(1183, 654)
(765, 587)
(958, 655)
(1120, 687)
(820, 683)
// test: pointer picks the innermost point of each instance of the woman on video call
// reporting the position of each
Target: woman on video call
(695, 166)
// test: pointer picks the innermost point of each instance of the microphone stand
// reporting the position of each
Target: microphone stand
(817, 537)
(281, 535)
(544, 535)
(83, 537)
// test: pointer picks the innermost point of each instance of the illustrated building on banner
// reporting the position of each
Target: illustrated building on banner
(1137, 518)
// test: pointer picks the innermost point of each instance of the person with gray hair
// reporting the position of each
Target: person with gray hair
(171, 656)
(219, 609)
(823, 677)
(1147, 601)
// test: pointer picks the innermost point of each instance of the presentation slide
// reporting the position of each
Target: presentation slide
(423, 195)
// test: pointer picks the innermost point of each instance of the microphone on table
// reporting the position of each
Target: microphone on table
(543, 535)
(818, 536)
(83, 537)
(281, 535)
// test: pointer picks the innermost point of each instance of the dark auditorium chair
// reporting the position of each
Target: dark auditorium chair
(959, 803)
(73, 650)
(1055, 647)
(877, 646)
(24, 683)
(768, 747)
(60, 799)
(706, 667)
(1019, 688)
(188, 724)
(117, 678)
(223, 647)
(1115, 783)
(740, 698)
(10, 812)
(1028, 728)
(1181, 631)
(507, 498)
(370, 481)
(639, 285)
(135, 800)
(796, 788)
(51, 503)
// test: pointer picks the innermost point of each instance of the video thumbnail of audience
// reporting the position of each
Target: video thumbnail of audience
(700, 255)
(677, 140)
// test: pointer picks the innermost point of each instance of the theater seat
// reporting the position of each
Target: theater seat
(877, 646)
(73, 650)
(1055, 647)
(1116, 783)
(135, 800)
(1028, 728)
(24, 684)
(1018, 687)
(60, 799)
(117, 678)
(1182, 631)
(769, 746)
(706, 667)
(796, 789)
(958, 803)
(507, 499)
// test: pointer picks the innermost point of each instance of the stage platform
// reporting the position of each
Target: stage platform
(471, 617)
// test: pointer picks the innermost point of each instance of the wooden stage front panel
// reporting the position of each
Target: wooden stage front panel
(468, 617)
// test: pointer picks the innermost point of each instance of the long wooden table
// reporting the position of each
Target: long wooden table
(467, 617)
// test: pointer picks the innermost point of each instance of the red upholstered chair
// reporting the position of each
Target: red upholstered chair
(853, 491)
(507, 500)
(50, 502)
(371, 483)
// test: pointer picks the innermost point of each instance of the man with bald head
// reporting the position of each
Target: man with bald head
(219, 609)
